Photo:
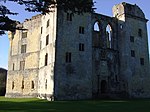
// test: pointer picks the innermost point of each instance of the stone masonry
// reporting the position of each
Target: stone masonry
(69, 56)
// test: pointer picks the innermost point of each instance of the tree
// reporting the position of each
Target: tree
(43, 6)
(6, 23)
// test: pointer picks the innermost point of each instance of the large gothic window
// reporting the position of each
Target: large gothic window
(97, 40)
(109, 36)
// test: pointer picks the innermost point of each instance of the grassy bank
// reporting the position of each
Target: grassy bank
(37, 105)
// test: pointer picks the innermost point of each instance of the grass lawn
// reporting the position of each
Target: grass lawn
(37, 105)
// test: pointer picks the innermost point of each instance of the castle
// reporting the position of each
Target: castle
(81, 56)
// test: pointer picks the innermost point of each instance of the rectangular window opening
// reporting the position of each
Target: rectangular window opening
(142, 61)
(22, 65)
(24, 34)
(81, 47)
(69, 16)
(81, 30)
(132, 53)
(140, 32)
(23, 48)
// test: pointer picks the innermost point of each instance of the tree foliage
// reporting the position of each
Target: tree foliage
(43, 6)
(5, 22)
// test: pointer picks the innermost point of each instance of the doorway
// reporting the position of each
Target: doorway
(103, 86)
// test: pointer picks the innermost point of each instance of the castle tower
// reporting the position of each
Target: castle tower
(133, 49)
(73, 61)
(22, 78)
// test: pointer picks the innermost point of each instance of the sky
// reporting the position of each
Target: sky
(103, 7)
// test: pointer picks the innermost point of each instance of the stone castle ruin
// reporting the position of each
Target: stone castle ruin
(81, 56)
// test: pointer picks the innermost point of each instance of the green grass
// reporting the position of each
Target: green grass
(37, 105)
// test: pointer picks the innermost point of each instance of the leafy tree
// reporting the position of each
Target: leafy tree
(43, 6)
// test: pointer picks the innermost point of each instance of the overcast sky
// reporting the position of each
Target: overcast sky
(103, 7)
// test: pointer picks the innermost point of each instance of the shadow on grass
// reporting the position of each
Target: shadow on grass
(36, 105)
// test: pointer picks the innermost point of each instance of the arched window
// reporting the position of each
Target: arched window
(97, 31)
(109, 36)
(96, 27)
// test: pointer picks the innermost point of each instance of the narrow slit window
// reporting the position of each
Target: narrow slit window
(68, 57)
(41, 30)
(47, 40)
(81, 30)
(13, 68)
(46, 84)
(13, 85)
(47, 23)
(40, 44)
(46, 59)
(32, 85)
(22, 84)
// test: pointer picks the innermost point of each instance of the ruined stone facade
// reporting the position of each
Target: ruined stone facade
(81, 56)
